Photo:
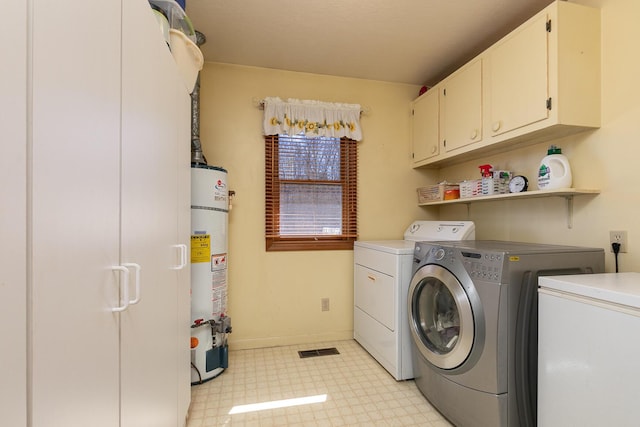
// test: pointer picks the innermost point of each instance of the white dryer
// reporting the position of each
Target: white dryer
(382, 273)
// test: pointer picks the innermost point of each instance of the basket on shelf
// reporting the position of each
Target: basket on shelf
(434, 193)
(483, 187)
(494, 186)
(470, 188)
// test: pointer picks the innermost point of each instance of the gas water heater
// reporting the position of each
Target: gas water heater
(209, 321)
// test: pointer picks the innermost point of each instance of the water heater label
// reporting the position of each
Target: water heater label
(200, 248)
(218, 262)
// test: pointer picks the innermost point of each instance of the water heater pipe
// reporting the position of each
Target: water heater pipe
(197, 156)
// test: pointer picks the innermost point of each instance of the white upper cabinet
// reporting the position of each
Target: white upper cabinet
(461, 102)
(519, 79)
(540, 82)
(425, 135)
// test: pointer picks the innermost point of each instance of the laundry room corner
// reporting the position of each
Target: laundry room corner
(276, 298)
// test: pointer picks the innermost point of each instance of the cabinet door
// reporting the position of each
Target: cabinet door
(462, 108)
(150, 123)
(75, 191)
(425, 129)
(519, 78)
(184, 237)
(13, 214)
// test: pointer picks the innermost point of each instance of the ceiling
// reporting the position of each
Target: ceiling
(405, 41)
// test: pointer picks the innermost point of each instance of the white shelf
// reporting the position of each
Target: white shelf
(567, 193)
(561, 192)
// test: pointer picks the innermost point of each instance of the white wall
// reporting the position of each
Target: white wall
(604, 159)
(274, 298)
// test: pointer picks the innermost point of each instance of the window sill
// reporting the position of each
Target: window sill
(281, 245)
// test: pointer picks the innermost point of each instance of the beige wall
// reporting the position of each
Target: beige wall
(605, 159)
(274, 298)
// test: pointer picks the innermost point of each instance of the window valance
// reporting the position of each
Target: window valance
(314, 118)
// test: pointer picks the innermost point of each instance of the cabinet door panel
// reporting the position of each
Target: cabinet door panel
(462, 105)
(75, 213)
(425, 126)
(13, 214)
(149, 220)
(519, 79)
(184, 237)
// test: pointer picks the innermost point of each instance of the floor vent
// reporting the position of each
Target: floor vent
(319, 352)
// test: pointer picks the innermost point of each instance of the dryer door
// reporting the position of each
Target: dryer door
(440, 317)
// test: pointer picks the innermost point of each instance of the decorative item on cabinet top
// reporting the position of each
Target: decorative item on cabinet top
(181, 38)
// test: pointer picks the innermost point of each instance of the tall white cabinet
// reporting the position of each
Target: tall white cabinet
(13, 218)
(104, 133)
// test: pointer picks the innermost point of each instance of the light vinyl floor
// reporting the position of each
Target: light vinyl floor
(357, 391)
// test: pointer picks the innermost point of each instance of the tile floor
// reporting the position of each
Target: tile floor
(359, 392)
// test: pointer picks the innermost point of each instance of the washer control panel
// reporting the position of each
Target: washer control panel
(486, 266)
(480, 265)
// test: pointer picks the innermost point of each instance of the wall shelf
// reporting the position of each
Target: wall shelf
(561, 192)
(567, 193)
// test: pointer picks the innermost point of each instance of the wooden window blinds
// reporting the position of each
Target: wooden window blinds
(310, 193)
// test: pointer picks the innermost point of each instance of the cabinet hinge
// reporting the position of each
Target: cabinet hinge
(444, 92)
(549, 104)
(445, 143)
(413, 112)
(549, 26)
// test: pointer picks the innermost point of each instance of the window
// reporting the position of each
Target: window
(311, 198)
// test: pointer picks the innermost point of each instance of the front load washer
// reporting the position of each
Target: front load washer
(472, 309)
(382, 272)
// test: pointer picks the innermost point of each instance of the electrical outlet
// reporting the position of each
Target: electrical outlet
(618, 237)
(325, 304)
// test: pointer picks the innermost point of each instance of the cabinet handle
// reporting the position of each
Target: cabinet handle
(372, 278)
(183, 257)
(434, 149)
(137, 267)
(497, 125)
(474, 134)
(124, 286)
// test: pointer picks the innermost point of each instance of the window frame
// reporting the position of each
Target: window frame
(348, 181)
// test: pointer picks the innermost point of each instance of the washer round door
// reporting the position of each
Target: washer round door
(440, 317)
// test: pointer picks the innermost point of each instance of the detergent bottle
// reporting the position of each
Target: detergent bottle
(554, 171)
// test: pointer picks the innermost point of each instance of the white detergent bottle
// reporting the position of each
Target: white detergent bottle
(554, 171)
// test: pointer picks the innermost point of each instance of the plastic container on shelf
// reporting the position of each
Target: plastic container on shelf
(436, 192)
(470, 188)
(554, 171)
(494, 186)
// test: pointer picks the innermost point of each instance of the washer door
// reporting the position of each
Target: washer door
(440, 317)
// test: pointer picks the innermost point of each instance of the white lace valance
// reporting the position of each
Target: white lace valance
(314, 118)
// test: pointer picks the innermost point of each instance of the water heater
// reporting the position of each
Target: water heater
(210, 323)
